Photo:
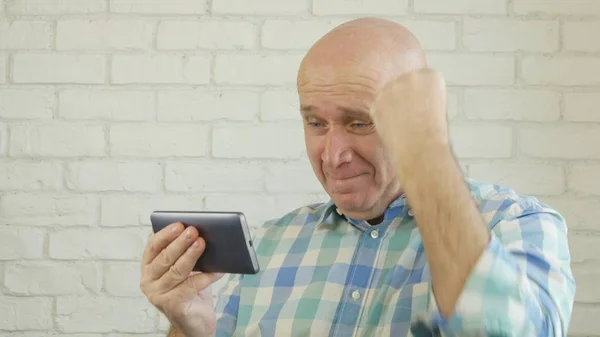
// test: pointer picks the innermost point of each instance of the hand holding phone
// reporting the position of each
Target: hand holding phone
(168, 282)
(229, 248)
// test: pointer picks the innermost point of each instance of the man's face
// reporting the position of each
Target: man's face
(344, 149)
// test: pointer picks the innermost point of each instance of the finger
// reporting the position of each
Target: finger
(171, 254)
(182, 268)
(159, 241)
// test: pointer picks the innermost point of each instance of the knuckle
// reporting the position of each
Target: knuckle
(165, 258)
(177, 272)
(152, 246)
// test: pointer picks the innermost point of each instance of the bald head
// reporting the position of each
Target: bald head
(338, 81)
(383, 47)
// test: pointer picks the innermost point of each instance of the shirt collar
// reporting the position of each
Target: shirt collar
(329, 213)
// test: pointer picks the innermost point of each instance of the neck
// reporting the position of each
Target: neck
(375, 214)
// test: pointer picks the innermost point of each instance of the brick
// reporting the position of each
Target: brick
(523, 178)
(257, 69)
(584, 179)
(25, 35)
(581, 213)
(288, 202)
(256, 208)
(122, 279)
(113, 176)
(21, 313)
(21, 243)
(82, 314)
(3, 67)
(113, 214)
(557, 7)
(584, 321)
(214, 34)
(294, 34)
(264, 141)
(560, 141)
(50, 209)
(292, 177)
(584, 247)
(560, 70)
(254, 7)
(91, 244)
(26, 103)
(52, 278)
(432, 34)
(159, 140)
(361, 7)
(577, 37)
(101, 104)
(26, 176)
(581, 107)
(280, 104)
(55, 7)
(203, 105)
(33, 333)
(471, 69)
(159, 6)
(213, 177)
(508, 35)
(3, 139)
(103, 34)
(461, 7)
(587, 283)
(57, 68)
(508, 104)
(481, 141)
(160, 69)
(452, 104)
(56, 140)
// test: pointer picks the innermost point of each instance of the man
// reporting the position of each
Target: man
(405, 247)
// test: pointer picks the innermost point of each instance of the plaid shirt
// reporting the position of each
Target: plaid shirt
(323, 274)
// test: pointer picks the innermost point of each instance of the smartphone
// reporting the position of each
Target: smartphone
(229, 247)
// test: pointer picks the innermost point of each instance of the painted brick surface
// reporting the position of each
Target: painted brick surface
(111, 109)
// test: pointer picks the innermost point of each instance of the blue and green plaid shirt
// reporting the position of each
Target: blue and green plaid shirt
(323, 274)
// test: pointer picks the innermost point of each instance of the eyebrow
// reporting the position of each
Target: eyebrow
(310, 111)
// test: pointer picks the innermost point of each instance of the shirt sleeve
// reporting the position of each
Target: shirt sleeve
(521, 285)
(227, 306)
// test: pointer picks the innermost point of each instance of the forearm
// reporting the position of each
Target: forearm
(453, 233)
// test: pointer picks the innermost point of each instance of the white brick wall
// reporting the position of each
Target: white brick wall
(111, 109)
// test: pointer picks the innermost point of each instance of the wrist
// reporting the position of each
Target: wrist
(424, 159)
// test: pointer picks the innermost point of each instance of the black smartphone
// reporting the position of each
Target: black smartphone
(229, 246)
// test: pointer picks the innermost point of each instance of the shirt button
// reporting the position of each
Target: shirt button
(356, 295)
(374, 234)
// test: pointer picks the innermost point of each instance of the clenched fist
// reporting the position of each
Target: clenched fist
(410, 115)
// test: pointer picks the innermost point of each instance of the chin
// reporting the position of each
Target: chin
(355, 202)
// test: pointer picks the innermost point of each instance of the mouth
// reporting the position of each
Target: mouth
(346, 177)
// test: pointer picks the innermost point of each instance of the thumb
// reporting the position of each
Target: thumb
(198, 282)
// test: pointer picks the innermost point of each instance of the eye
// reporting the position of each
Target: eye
(315, 124)
(359, 125)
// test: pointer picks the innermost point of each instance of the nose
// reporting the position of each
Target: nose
(337, 149)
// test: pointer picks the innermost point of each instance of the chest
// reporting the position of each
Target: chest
(361, 283)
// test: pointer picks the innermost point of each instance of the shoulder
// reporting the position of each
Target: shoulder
(301, 216)
(498, 203)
